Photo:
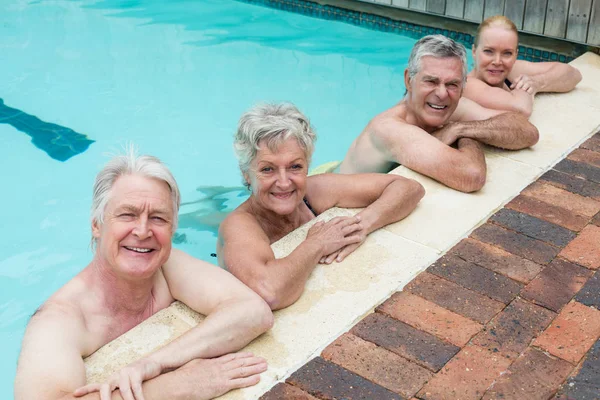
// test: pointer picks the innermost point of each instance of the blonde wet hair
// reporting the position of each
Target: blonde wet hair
(496, 20)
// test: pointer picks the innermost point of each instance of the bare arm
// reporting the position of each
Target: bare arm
(547, 76)
(509, 130)
(235, 315)
(244, 249)
(387, 198)
(499, 99)
(462, 169)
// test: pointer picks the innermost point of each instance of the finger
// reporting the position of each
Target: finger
(332, 257)
(137, 391)
(247, 370)
(243, 382)
(351, 229)
(125, 387)
(346, 251)
(105, 391)
(352, 239)
(82, 391)
(322, 260)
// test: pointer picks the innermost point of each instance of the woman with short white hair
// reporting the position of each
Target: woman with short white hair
(274, 144)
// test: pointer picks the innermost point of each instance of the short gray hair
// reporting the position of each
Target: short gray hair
(130, 164)
(273, 123)
(438, 46)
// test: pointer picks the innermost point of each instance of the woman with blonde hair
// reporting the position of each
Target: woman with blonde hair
(500, 81)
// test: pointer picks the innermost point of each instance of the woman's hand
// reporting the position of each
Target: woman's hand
(128, 380)
(525, 83)
(336, 234)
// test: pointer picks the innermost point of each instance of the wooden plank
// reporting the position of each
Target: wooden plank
(417, 5)
(556, 18)
(493, 7)
(594, 29)
(515, 10)
(579, 17)
(400, 3)
(535, 15)
(455, 8)
(474, 10)
(436, 6)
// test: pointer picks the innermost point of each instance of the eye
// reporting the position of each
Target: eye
(487, 51)
(508, 53)
(297, 166)
(158, 219)
(266, 169)
(125, 215)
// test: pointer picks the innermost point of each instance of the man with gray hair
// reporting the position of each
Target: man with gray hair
(419, 131)
(133, 275)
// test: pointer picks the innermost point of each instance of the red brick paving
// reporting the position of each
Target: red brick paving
(572, 333)
(533, 376)
(497, 260)
(377, 364)
(511, 312)
(429, 317)
(466, 376)
(585, 248)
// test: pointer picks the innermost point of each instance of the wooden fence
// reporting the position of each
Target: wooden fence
(573, 20)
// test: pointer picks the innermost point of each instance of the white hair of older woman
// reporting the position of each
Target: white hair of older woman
(271, 124)
(130, 164)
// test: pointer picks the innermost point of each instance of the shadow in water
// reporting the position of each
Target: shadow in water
(210, 209)
(57, 141)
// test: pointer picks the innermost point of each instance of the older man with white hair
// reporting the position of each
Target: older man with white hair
(418, 132)
(133, 275)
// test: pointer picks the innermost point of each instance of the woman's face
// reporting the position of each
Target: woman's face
(278, 179)
(495, 54)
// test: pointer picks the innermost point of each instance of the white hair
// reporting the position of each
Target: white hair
(130, 164)
(273, 123)
(438, 46)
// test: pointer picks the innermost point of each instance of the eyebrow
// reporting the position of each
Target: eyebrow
(137, 210)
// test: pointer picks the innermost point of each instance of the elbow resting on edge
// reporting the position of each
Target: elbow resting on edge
(473, 180)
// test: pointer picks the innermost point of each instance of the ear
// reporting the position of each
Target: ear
(95, 229)
(407, 80)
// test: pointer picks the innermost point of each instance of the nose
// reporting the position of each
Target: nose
(496, 59)
(141, 228)
(441, 91)
(283, 179)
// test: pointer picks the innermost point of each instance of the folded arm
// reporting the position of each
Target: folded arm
(507, 130)
(244, 249)
(497, 98)
(547, 76)
(463, 169)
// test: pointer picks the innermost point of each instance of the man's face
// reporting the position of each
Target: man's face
(434, 92)
(135, 239)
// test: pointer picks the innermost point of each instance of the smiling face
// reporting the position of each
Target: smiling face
(134, 240)
(434, 92)
(278, 179)
(495, 54)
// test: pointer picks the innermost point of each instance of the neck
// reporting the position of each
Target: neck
(275, 225)
(119, 295)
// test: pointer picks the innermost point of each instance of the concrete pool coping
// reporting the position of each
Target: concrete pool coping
(337, 296)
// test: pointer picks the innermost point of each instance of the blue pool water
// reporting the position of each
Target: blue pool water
(79, 79)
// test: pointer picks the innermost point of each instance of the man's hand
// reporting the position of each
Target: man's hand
(203, 379)
(128, 380)
(448, 134)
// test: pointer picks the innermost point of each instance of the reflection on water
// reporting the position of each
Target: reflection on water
(57, 141)
(210, 209)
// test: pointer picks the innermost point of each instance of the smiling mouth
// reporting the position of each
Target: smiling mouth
(282, 196)
(436, 106)
(139, 249)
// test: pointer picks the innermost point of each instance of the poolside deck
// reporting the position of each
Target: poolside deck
(508, 311)
(511, 312)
